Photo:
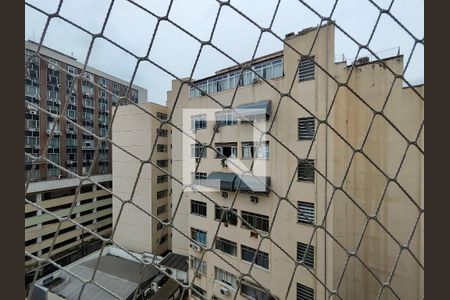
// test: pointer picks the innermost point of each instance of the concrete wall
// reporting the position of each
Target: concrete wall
(134, 181)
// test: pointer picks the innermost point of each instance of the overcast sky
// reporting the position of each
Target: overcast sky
(132, 28)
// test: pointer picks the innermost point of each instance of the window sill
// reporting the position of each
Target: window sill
(198, 215)
(304, 181)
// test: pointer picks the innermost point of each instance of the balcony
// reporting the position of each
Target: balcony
(245, 184)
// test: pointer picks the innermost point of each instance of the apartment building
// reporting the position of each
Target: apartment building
(302, 170)
(47, 84)
(143, 137)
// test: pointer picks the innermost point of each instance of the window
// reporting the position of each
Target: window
(103, 119)
(160, 226)
(71, 114)
(162, 163)
(71, 70)
(262, 258)
(226, 150)
(31, 124)
(196, 151)
(198, 122)
(198, 208)
(161, 116)
(161, 178)
(52, 172)
(161, 132)
(54, 142)
(196, 263)
(226, 117)
(103, 82)
(161, 194)
(199, 178)
(305, 212)
(226, 246)
(253, 150)
(305, 171)
(306, 69)
(161, 148)
(31, 91)
(163, 238)
(89, 103)
(259, 222)
(254, 293)
(269, 69)
(225, 277)
(53, 95)
(228, 216)
(304, 292)
(161, 209)
(54, 157)
(306, 128)
(306, 253)
(199, 236)
(198, 292)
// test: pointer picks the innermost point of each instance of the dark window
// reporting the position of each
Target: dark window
(162, 163)
(305, 212)
(161, 209)
(161, 178)
(305, 253)
(161, 132)
(306, 128)
(262, 258)
(198, 208)
(161, 148)
(305, 171)
(198, 292)
(226, 246)
(226, 150)
(260, 222)
(228, 217)
(161, 194)
(306, 69)
(161, 116)
(160, 226)
(304, 292)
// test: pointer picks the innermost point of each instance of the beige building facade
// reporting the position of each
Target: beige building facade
(311, 219)
(135, 131)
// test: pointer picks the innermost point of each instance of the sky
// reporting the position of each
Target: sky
(132, 28)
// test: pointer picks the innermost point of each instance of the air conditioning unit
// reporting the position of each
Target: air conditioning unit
(58, 101)
(225, 194)
(50, 66)
(196, 247)
(254, 199)
(33, 112)
(58, 85)
(224, 290)
(224, 162)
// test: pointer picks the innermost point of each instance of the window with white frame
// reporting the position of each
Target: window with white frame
(196, 263)
(226, 246)
(199, 177)
(54, 157)
(226, 117)
(198, 122)
(198, 208)
(71, 70)
(305, 253)
(305, 212)
(255, 150)
(197, 150)
(226, 150)
(199, 236)
(225, 277)
(31, 90)
(248, 254)
(32, 140)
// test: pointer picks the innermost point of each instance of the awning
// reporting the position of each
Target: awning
(252, 110)
(252, 184)
(221, 180)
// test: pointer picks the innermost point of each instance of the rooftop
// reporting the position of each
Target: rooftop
(176, 261)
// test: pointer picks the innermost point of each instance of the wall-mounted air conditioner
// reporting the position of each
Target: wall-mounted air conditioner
(224, 290)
